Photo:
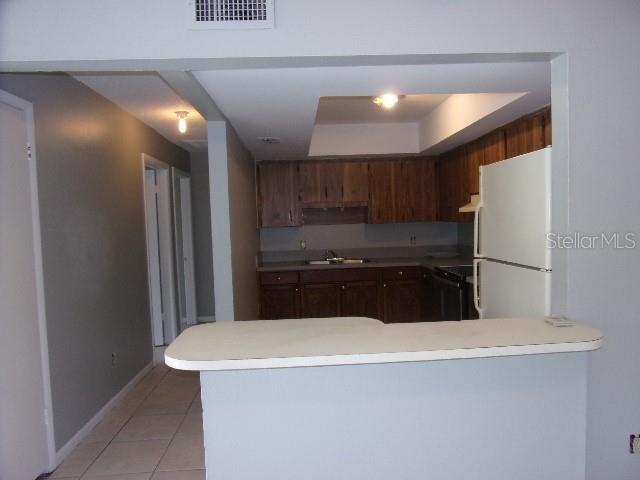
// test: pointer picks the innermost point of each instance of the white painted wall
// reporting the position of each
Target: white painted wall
(364, 139)
(498, 418)
(459, 112)
(220, 220)
(602, 40)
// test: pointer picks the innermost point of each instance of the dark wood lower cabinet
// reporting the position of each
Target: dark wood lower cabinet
(360, 299)
(391, 295)
(320, 300)
(402, 301)
(279, 301)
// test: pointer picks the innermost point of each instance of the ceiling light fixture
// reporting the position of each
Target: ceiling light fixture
(182, 120)
(388, 100)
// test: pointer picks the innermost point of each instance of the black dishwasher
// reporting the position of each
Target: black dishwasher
(451, 289)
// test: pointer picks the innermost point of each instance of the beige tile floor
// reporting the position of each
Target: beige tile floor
(154, 433)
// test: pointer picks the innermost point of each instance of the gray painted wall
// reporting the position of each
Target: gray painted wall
(201, 209)
(244, 232)
(602, 40)
(93, 240)
(322, 237)
(498, 418)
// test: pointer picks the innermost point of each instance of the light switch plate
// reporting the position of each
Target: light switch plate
(634, 443)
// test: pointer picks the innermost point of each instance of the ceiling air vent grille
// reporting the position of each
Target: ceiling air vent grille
(231, 13)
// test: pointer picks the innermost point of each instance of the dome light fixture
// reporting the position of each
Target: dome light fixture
(387, 100)
(182, 120)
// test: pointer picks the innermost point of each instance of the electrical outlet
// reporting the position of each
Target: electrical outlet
(412, 240)
(634, 443)
(114, 359)
(303, 244)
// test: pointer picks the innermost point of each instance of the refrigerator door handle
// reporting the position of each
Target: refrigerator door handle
(476, 231)
(476, 293)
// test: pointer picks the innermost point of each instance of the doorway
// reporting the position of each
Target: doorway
(184, 250)
(160, 254)
(27, 446)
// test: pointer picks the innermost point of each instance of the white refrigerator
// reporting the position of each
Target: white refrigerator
(512, 261)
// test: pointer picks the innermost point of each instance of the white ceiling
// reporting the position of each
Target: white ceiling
(289, 103)
(342, 110)
(283, 102)
(147, 97)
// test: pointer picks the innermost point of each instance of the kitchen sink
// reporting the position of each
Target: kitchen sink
(337, 261)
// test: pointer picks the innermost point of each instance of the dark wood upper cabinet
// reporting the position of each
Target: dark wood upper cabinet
(391, 190)
(382, 191)
(278, 194)
(525, 135)
(332, 183)
(458, 171)
(320, 183)
(402, 190)
(416, 190)
(355, 183)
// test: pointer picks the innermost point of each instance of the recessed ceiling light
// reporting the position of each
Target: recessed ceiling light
(388, 100)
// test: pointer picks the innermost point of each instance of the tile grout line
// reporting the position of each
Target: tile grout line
(125, 423)
(155, 470)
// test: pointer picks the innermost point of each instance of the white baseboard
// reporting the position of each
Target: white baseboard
(209, 319)
(84, 431)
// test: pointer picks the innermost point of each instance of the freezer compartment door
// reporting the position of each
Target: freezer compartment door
(508, 291)
(514, 215)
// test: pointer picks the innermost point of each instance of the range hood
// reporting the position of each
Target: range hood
(472, 205)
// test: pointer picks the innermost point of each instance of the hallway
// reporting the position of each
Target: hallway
(154, 433)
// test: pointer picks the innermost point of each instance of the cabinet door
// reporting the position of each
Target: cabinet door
(279, 301)
(321, 183)
(401, 301)
(355, 183)
(320, 300)
(448, 173)
(415, 187)
(360, 299)
(382, 191)
(278, 194)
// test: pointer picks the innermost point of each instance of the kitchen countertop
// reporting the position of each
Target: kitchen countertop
(429, 262)
(356, 340)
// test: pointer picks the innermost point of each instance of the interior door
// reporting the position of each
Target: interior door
(515, 211)
(183, 242)
(509, 291)
(24, 447)
(153, 254)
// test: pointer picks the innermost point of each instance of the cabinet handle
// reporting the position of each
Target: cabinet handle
(290, 217)
(400, 273)
(296, 289)
(384, 285)
(343, 287)
(278, 278)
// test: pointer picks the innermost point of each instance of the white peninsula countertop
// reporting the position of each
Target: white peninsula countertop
(356, 340)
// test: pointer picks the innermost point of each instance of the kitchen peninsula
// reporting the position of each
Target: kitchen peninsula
(503, 394)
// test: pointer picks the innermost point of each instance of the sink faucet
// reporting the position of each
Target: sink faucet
(330, 254)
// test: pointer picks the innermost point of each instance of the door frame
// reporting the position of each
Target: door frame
(169, 321)
(186, 227)
(27, 108)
